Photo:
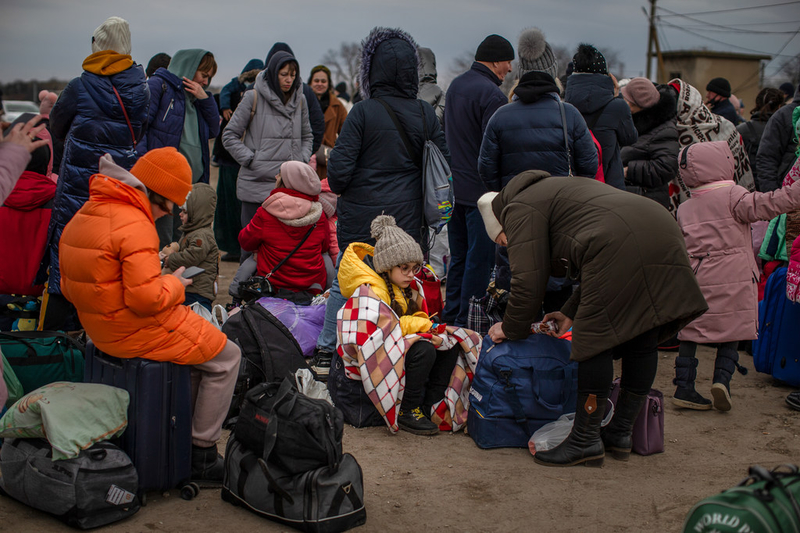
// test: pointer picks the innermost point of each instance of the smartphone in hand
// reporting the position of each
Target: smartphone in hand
(192, 271)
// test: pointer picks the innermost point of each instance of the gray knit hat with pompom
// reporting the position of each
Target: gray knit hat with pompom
(535, 54)
(393, 246)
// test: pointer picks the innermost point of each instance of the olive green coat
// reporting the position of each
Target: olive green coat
(198, 247)
(626, 250)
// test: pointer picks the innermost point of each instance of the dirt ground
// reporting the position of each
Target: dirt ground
(446, 483)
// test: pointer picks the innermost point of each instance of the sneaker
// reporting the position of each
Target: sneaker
(793, 400)
(417, 423)
(321, 364)
(690, 399)
(722, 397)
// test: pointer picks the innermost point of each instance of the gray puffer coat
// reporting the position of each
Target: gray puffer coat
(278, 132)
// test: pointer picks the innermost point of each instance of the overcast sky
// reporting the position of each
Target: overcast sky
(42, 39)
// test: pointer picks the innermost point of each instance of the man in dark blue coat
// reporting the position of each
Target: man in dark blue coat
(471, 100)
(718, 100)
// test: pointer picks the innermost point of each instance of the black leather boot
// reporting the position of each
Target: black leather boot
(207, 464)
(685, 395)
(724, 367)
(583, 445)
(617, 434)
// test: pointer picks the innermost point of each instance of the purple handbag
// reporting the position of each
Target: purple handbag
(648, 430)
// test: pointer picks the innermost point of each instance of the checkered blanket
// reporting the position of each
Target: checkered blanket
(373, 349)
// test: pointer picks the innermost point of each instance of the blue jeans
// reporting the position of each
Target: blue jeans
(471, 263)
(327, 338)
(192, 297)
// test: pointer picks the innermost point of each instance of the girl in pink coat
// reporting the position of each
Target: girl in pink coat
(716, 226)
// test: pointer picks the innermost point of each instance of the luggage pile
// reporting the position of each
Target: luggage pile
(775, 351)
(284, 462)
(56, 457)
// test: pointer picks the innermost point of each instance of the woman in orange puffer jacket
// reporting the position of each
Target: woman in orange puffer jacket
(111, 272)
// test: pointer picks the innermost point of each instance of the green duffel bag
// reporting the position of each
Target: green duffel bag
(764, 502)
(42, 357)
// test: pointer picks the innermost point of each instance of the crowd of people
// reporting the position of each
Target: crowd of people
(594, 201)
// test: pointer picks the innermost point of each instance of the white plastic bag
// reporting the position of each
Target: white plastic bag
(554, 433)
(211, 316)
(310, 386)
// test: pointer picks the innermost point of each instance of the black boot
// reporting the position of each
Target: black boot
(724, 367)
(207, 464)
(617, 434)
(583, 445)
(685, 395)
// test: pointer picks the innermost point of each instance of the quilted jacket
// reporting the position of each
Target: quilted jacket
(715, 222)
(90, 119)
(112, 275)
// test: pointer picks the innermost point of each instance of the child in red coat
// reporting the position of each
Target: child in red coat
(291, 217)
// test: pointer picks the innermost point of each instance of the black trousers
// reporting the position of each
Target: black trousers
(427, 374)
(639, 364)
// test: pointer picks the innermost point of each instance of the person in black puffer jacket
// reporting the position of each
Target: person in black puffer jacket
(370, 168)
(768, 101)
(593, 91)
(652, 161)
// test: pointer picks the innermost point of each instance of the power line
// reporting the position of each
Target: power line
(732, 9)
(734, 30)
(726, 28)
(748, 82)
(675, 26)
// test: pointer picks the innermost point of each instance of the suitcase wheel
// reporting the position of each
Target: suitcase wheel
(190, 490)
(143, 499)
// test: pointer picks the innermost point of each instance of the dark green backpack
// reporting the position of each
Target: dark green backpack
(764, 502)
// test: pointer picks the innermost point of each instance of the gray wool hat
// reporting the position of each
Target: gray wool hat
(393, 246)
(535, 54)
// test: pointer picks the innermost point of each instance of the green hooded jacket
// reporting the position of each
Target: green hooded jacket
(184, 65)
(197, 245)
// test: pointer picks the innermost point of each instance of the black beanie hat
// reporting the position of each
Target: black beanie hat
(589, 59)
(721, 86)
(495, 48)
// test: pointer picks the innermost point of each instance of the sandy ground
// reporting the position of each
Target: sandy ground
(446, 483)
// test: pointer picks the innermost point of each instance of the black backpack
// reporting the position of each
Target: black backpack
(269, 352)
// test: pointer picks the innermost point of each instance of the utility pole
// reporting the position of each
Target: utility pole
(650, 35)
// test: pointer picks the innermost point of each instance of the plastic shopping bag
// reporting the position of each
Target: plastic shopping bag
(309, 386)
(554, 433)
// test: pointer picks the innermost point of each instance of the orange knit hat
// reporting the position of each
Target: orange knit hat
(166, 172)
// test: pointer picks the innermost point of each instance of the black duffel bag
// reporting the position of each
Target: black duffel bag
(323, 500)
(290, 430)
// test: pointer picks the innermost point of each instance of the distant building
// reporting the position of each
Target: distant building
(698, 67)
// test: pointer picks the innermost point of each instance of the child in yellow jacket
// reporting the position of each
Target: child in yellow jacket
(389, 269)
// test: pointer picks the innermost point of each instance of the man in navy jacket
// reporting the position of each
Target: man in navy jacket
(472, 99)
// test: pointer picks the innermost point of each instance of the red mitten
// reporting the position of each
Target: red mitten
(793, 273)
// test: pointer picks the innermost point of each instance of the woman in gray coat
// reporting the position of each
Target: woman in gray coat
(636, 289)
(270, 126)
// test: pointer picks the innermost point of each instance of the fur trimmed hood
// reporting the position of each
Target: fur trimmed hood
(389, 64)
(666, 109)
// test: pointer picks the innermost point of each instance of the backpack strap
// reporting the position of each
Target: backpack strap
(411, 152)
(290, 254)
(566, 136)
(125, 114)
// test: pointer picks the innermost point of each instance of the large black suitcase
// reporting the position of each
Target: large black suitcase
(159, 434)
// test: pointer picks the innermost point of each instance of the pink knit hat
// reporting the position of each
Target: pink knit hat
(300, 177)
(641, 92)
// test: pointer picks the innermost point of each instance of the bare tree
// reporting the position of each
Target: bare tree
(344, 63)
(790, 70)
